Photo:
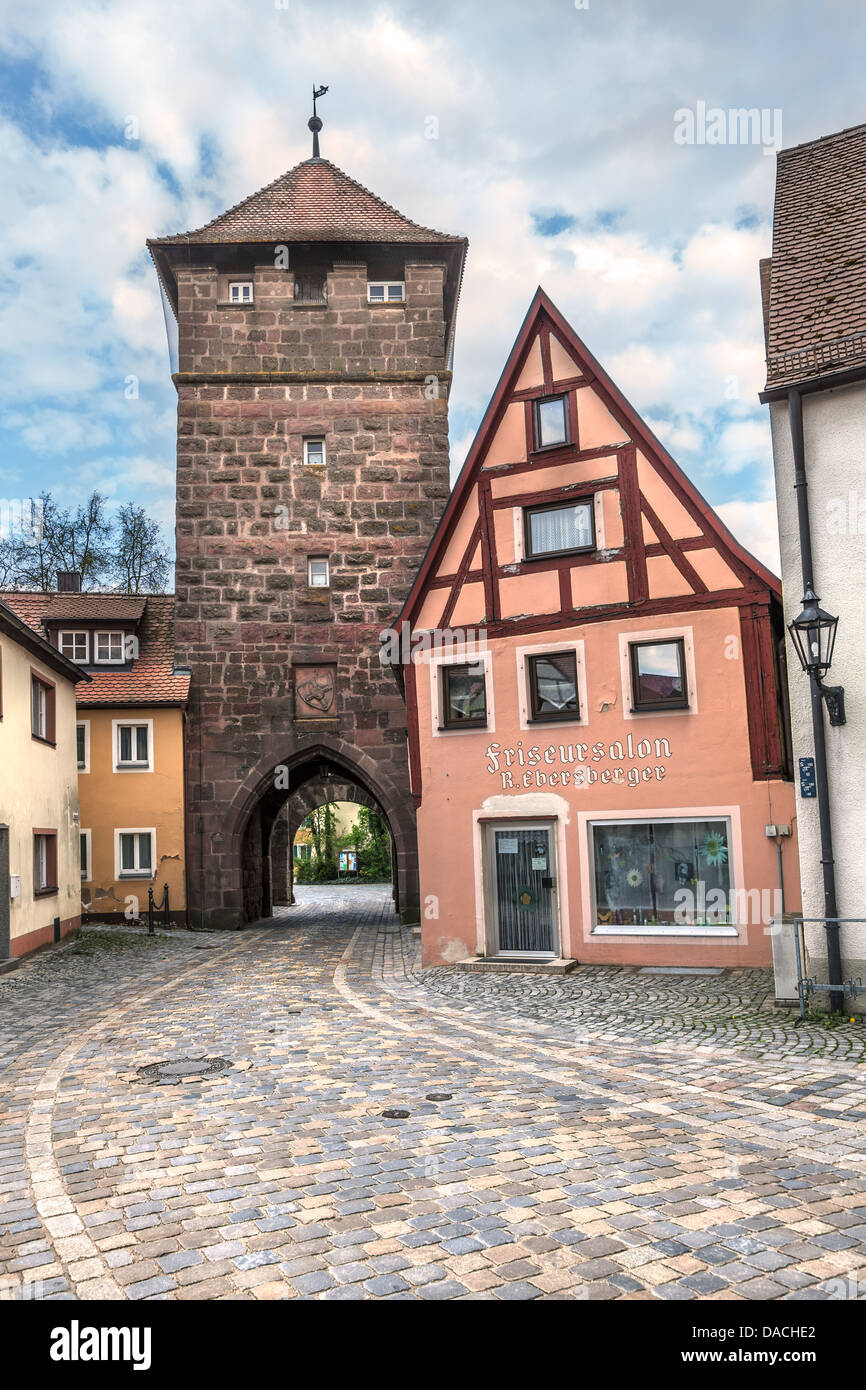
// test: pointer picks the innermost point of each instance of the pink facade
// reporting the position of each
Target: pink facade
(593, 776)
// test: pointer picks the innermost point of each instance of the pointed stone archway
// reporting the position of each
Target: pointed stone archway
(291, 788)
(309, 797)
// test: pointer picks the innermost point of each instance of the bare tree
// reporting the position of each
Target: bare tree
(140, 562)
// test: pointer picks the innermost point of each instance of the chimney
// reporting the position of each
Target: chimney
(68, 582)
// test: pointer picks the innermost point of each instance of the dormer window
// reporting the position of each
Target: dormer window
(386, 292)
(551, 422)
(75, 645)
(241, 292)
(108, 649)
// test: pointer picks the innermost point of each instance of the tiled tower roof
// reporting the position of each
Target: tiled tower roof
(315, 201)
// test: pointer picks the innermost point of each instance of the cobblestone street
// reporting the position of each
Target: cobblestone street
(603, 1135)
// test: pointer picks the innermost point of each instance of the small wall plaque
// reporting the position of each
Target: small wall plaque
(807, 777)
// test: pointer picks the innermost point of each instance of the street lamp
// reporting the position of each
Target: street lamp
(813, 633)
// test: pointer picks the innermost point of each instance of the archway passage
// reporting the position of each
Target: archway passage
(285, 798)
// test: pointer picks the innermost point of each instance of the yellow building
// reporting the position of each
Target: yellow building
(40, 882)
(130, 743)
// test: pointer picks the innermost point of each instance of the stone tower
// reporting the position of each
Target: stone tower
(315, 328)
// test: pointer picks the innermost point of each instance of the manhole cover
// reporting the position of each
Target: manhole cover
(395, 1114)
(439, 1095)
(183, 1069)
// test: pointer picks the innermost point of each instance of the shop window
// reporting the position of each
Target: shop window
(553, 686)
(653, 873)
(551, 422)
(464, 697)
(559, 530)
(658, 675)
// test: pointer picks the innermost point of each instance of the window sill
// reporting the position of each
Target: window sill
(45, 892)
(660, 709)
(555, 719)
(667, 929)
(133, 767)
(466, 728)
(49, 742)
(143, 875)
(550, 448)
(559, 554)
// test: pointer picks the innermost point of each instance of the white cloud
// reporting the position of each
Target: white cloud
(755, 525)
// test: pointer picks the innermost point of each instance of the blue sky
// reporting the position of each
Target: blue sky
(553, 150)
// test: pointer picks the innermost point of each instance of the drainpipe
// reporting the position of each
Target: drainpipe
(828, 866)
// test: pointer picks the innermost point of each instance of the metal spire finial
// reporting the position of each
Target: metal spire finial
(315, 122)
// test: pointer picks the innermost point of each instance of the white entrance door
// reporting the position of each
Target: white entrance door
(522, 890)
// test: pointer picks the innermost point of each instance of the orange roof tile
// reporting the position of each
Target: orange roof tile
(152, 680)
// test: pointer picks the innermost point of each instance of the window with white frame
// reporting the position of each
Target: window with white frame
(133, 745)
(84, 851)
(662, 873)
(303, 852)
(134, 853)
(108, 649)
(386, 292)
(82, 745)
(75, 645)
(241, 292)
(318, 572)
(314, 450)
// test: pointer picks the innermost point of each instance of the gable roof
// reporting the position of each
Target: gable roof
(543, 311)
(152, 680)
(19, 630)
(314, 201)
(816, 315)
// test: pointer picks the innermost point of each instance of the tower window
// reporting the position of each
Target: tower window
(318, 572)
(386, 292)
(314, 451)
(241, 292)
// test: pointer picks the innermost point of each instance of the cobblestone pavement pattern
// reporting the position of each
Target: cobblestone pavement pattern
(606, 1135)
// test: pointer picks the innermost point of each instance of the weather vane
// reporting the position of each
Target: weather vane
(315, 122)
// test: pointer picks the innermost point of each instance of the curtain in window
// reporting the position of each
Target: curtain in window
(127, 852)
(561, 528)
(141, 743)
(144, 851)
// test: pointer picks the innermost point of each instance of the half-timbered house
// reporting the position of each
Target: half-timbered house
(597, 766)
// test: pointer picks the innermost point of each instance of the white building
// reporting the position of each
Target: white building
(40, 866)
(814, 297)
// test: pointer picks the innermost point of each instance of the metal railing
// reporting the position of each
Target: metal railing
(807, 985)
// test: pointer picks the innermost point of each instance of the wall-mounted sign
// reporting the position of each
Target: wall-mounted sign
(807, 777)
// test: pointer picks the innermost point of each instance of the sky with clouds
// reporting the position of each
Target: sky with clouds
(554, 152)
